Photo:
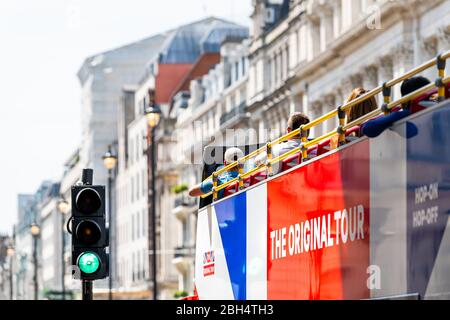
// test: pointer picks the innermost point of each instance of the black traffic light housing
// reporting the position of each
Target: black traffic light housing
(89, 232)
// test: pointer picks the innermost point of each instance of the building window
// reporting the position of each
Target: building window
(138, 265)
(276, 69)
(143, 141)
(132, 227)
(138, 225)
(185, 235)
(144, 259)
(138, 148)
(143, 183)
(132, 189)
(131, 150)
(287, 61)
(133, 261)
(137, 187)
(143, 222)
(236, 71)
(269, 71)
(144, 103)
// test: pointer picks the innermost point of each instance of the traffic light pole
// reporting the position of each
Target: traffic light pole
(87, 285)
(110, 229)
(87, 176)
(87, 290)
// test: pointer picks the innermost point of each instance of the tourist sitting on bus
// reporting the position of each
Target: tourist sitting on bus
(373, 128)
(231, 155)
(362, 108)
(412, 84)
(355, 112)
(296, 120)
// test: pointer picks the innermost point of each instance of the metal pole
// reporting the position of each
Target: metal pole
(63, 245)
(87, 176)
(35, 268)
(87, 289)
(11, 278)
(151, 200)
(110, 229)
(155, 282)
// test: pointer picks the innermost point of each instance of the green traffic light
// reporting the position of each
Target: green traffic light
(88, 262)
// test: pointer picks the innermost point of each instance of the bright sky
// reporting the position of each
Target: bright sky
(43, 43)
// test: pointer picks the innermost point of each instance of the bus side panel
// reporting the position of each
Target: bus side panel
(388, 214)
(318, 228)
(428, 204)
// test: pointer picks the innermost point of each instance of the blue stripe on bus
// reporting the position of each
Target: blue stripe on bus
(232, 219)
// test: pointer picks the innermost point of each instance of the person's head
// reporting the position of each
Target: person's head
(412, 84)
(362, 108)
(296, 120)
(232, 155)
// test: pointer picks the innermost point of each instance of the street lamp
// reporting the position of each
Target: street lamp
(35, 232)
(63, 208)
(153, 115)
(110, 161)
(10, 252)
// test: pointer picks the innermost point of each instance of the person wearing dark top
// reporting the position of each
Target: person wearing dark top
(373, 128)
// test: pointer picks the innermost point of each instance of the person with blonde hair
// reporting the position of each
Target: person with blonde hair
(362, 108)
(356, 111)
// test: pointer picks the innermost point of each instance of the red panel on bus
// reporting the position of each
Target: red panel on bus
(313, 250)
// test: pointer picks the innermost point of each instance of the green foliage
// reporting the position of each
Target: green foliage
(180, 188)
(180, 294)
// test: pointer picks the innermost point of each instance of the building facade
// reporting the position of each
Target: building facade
(312, 58)
(23, 261)
(5, 267)
(212, 113)
(50, 222)
(71, 175)
(167, 74)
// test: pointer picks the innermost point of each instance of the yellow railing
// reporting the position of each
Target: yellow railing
(386, 107)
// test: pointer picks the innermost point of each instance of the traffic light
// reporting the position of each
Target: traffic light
(89, 234)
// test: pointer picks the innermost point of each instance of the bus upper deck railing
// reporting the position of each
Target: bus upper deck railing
(386, 107)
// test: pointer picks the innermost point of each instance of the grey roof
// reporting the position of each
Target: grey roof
(180, 45)
(131, 56)
(188, 42)
(211, 41)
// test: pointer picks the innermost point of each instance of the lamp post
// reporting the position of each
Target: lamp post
(10, 252)
(35, 232)
(110, 161)
(63, 208)
(153, 115)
